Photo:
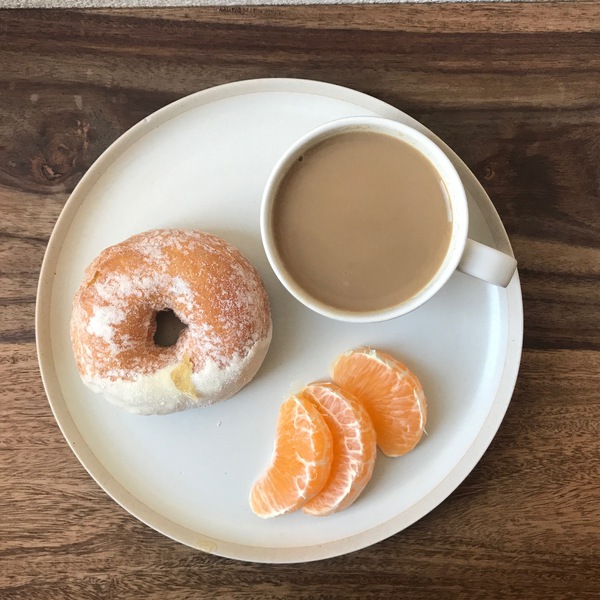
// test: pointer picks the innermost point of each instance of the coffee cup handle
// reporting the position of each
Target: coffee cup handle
(488, 264)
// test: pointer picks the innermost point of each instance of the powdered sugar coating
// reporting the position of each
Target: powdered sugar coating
(210, 286)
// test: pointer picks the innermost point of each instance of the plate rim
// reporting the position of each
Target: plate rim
(157, 521)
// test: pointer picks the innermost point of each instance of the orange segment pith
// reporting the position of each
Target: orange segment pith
(301, 460)
(391, 393)
(354, 448)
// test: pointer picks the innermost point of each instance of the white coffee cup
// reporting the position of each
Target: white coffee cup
(464, 254)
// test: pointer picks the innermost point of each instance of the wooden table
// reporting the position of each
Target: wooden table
(515, 90)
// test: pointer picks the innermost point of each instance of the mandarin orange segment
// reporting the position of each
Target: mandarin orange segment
(301, 460)
(354, 448)
(391, 393)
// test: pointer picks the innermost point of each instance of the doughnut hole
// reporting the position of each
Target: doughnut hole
(168, 328)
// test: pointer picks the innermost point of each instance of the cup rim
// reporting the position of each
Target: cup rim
(454, 188)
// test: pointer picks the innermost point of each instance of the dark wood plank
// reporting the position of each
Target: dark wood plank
(514, 89)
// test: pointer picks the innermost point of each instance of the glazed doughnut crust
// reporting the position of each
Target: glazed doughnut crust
(211, 287)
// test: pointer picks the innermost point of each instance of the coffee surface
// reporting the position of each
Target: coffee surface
(362, 221)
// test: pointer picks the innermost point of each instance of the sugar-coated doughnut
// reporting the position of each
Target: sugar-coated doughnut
(209, 285)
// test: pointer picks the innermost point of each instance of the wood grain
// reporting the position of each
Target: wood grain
(514, 89)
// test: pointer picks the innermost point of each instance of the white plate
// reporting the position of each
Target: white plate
(202, 163)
